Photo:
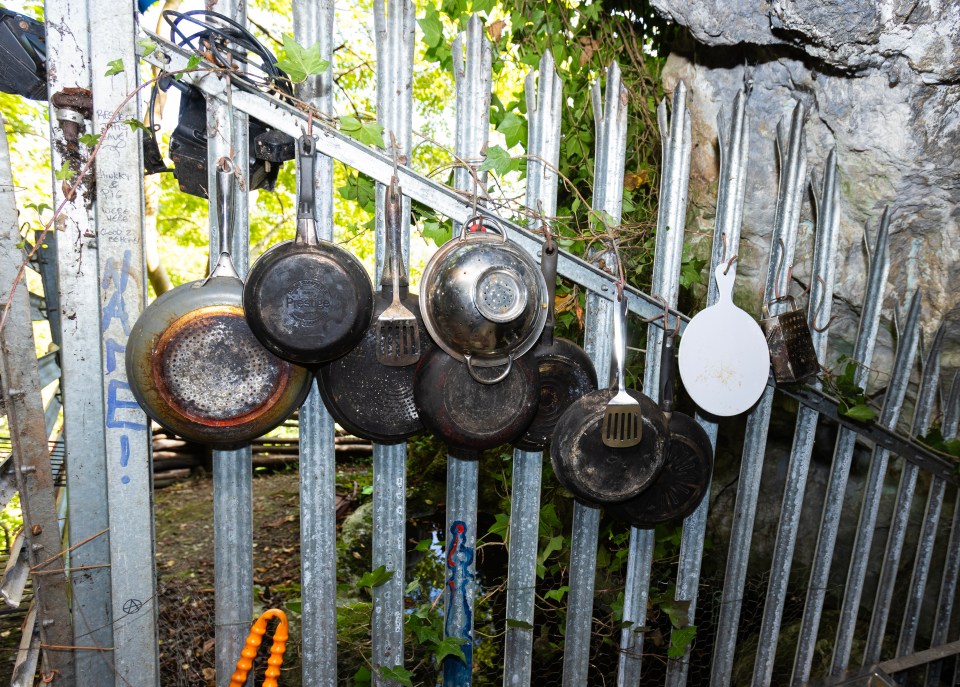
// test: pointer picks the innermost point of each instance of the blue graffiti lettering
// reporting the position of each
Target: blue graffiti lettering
(124, 455)
(117, 279)
(458, 620)
(115, 404)
(112, 350)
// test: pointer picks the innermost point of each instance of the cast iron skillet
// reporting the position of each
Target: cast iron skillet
(685, 478)
(593, 471)
(566, 372)
(197, 369)
(370, 399)
(308, 300)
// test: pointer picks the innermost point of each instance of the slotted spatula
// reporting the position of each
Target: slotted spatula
(398, 336)
(621, 426)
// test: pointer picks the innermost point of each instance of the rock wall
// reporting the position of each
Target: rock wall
(880, 81)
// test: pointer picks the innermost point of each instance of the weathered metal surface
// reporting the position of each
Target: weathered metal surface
(819, 310)
(947, 593)
(793, 180)
(28, 435)
(472, 60)
(28, 654)
(907, 345)
(842, 455)
(313, 25)
(543, 90)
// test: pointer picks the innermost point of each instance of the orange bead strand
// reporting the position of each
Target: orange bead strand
(254, 639)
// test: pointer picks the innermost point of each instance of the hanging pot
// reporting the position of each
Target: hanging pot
(589, 468)
(195, 367)
(566, 372)
(470, 415)
(724, 359)
(367, 397)
(308, 300)
(484, 301)
(685, 478)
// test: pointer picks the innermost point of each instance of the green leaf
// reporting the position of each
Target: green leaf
(375, 577)
(432, 27)
(116, 67)
(436, 231)
(300, 62)
(499, 161)
(859, 411)
(680, 639)
(677, 611)
(363, 677)
(450, 646)
(398, 674)
(423, 545)
(89, 140)
(369, 133)
(147, 46)
(136, 125)
(501, 526)
(520, 624)
(294, 606)
(557, 594)
(65, 173)
(514, 129)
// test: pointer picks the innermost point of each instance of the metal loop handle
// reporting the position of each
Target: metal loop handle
(499, 378)
(483, 221)
(620, 343)
(306, 191)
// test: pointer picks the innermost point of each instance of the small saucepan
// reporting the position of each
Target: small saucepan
(566, 372)
(309, 301)
(685, 478)
(196, 368)
(586, 466)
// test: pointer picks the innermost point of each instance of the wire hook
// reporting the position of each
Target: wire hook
(816, 313)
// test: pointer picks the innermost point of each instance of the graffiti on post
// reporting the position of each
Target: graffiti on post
(458, 620)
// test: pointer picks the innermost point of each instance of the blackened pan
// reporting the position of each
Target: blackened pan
(197, 369)
(368, 398)
(469, 415)
(594, 471)
(308, 300)
(566, 372)
(685, 478)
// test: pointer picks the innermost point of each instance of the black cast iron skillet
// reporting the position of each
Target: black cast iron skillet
(685, 478)
(308, 300)
(366, 397)
(197, 369)
(585, 465)
(566, 372)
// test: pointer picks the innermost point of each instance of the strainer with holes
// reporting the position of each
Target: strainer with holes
(483, 299)
(195, 367)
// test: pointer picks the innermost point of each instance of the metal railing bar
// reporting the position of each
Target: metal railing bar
(51, 412)
(783, 240)
(473, 76)
(822, 283)
(734, 152)
(49, 367)
(544, 105)
(873, 489)
(946, 596)
(879, 266)
(926, 399)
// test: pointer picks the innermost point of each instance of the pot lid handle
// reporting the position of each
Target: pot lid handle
(306, 191)
(482, 223)
(225, 187)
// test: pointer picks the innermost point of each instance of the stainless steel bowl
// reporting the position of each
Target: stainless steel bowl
(483, 298)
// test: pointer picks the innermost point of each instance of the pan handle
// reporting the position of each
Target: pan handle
(394, 274)
(225, 186)
(485, 223)
(495, 380)
(619, 343)
(548, 265)
(667, 371)
(306, 191)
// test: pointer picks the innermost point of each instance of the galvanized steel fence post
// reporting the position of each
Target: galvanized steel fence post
(119, 213)
(544, 105)
(68, 50)
(313, 24)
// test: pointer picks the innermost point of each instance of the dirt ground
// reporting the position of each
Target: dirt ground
(184, 522)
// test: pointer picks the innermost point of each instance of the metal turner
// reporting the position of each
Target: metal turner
(398, 334)
(621, 426)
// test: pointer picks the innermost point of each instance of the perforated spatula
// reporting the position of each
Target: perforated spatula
(398, 336)
(621, 426)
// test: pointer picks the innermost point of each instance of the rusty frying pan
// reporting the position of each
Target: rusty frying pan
(566, 372)
(196, 368)
(307, 300)
(685, 478)
(586, 466)
(368, 397)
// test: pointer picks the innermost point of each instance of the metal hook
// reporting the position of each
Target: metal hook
(730, 264)
(816, 313)
(548, 244)
(665, 316)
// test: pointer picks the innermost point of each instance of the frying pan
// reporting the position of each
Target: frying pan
(685, 478)
(471, 415)
(594, 471)
(308, 300)
(566, 372)
(370, 399)
(195, 367)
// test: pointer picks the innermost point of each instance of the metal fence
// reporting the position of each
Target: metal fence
(100, 260)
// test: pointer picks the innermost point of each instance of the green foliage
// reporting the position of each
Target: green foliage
(850, 396)
(375, 578)
(65, 173)
(115, 67)
(300, 62)
(147, 46)
(369, 133)
(935, 440)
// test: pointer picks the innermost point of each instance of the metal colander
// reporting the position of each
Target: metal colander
(501, 295)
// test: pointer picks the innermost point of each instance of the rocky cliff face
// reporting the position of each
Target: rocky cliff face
(880, 81)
